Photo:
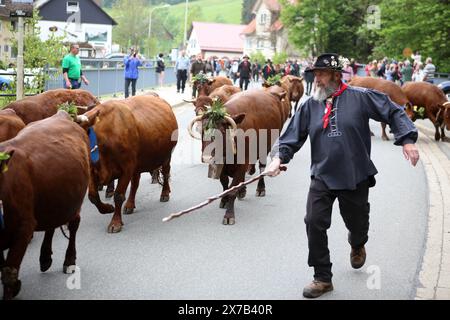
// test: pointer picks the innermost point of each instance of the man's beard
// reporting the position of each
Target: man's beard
(322, 93)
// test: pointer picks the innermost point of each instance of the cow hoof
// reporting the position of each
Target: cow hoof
(261, 193)
(45, 264)
(69, 269)
(229, 221)
(241, 194)
(11, 291)
(445, 139)
(128, 211)
(385, 138)
(109, 194)
(107, 209)
(155, 181)
(252, 171)
(100, 188)
(164, 199)
(114, 228)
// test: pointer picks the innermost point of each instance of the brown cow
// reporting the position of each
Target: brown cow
(254, 112)
(46, 104)
(387, 87)
(205, 89)
(295, 88)
(447, 115)
(42, 186)
(135, 135)
(10, 124)
(428, 96)
(223, 93)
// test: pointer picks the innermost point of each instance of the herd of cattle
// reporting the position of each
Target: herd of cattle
(48, 160)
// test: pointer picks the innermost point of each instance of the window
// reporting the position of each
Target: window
(6, 48)
(73, 6)
(14, 26)
(263, 19)
(260, 44)
(2, 2)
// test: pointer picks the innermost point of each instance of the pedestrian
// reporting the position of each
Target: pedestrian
(197, 67)
(268, 70)
(309, 79)
(429, 71)
(160, 69)
(218, 67)
(234, 71)
(419, 74)
(255, 71)
(407, 72)
(348, 75)
(181, 70)
(132, 64)
(244, 71)
(341, 165)
(72, 71)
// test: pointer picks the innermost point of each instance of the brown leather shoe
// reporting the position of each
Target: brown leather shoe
(317, 288)
(358, 257)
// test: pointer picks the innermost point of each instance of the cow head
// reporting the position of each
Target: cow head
(411, 111)
(216, 135)
(201, 104)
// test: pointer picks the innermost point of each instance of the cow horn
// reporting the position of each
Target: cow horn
(231, 122)
(446, 105)
(82, 119)
(191, 125)
(190, 101)
(82, 107)
(232, 132)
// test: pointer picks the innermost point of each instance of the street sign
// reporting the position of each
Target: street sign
(21, 8)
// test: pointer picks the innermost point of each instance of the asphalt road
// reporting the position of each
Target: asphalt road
(263, 256)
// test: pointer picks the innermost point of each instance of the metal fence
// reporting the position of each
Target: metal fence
(107, 77)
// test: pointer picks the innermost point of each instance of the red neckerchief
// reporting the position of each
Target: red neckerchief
(329, 108)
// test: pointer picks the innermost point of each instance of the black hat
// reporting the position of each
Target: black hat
(327, 61)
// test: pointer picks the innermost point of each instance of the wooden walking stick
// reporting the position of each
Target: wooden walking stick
(216, 197)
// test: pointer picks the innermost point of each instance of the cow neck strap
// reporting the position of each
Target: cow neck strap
(329, 104)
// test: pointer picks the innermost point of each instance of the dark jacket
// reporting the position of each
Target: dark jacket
(160, 66)
(341, 153)
(245, 70)
(197, 67)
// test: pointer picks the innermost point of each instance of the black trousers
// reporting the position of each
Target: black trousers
(354, 208)
(243, 83)
(127, 87)
(308, 88)
(181, 80)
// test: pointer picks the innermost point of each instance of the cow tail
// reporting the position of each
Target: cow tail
(64, 233)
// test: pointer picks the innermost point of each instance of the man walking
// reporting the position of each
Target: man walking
(132, 64)
(244, 71)
(72, 72)
(197, 67)
(336, 119)
(181, 69)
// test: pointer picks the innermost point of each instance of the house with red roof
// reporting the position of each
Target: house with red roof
(216, 40)
(266, 32)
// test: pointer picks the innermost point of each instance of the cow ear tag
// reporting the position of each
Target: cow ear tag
(3, 158)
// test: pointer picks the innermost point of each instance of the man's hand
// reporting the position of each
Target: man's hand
(274, 168)
(68, 84)
(411, 153)
(86, 81)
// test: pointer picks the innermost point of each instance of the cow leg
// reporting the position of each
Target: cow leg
(155, 176)
(224, 180)
(261, 189)
(229, 218)
(110, 190)
(71, 252)
(94, 197)
(384, 136)
(45, 259)
(131, 204)
(2, 260)
(443, 136)
(10, 271)
(119, 198)
(437, 135)
(165, 193)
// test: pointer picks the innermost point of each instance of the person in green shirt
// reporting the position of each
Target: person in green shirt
(72, 72)
(407, 72)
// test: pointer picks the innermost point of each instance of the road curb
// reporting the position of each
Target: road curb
(434, 277)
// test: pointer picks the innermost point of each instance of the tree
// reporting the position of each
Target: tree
(280, 58)
(247, 14)
(257, 56)
(40, 55)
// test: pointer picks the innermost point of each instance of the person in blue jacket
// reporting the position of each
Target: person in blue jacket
(336, 120)
(132, 64)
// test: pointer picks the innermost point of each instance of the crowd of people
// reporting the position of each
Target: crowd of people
(401, 72)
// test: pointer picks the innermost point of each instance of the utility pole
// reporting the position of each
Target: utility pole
(20, 64)
(185, 24)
